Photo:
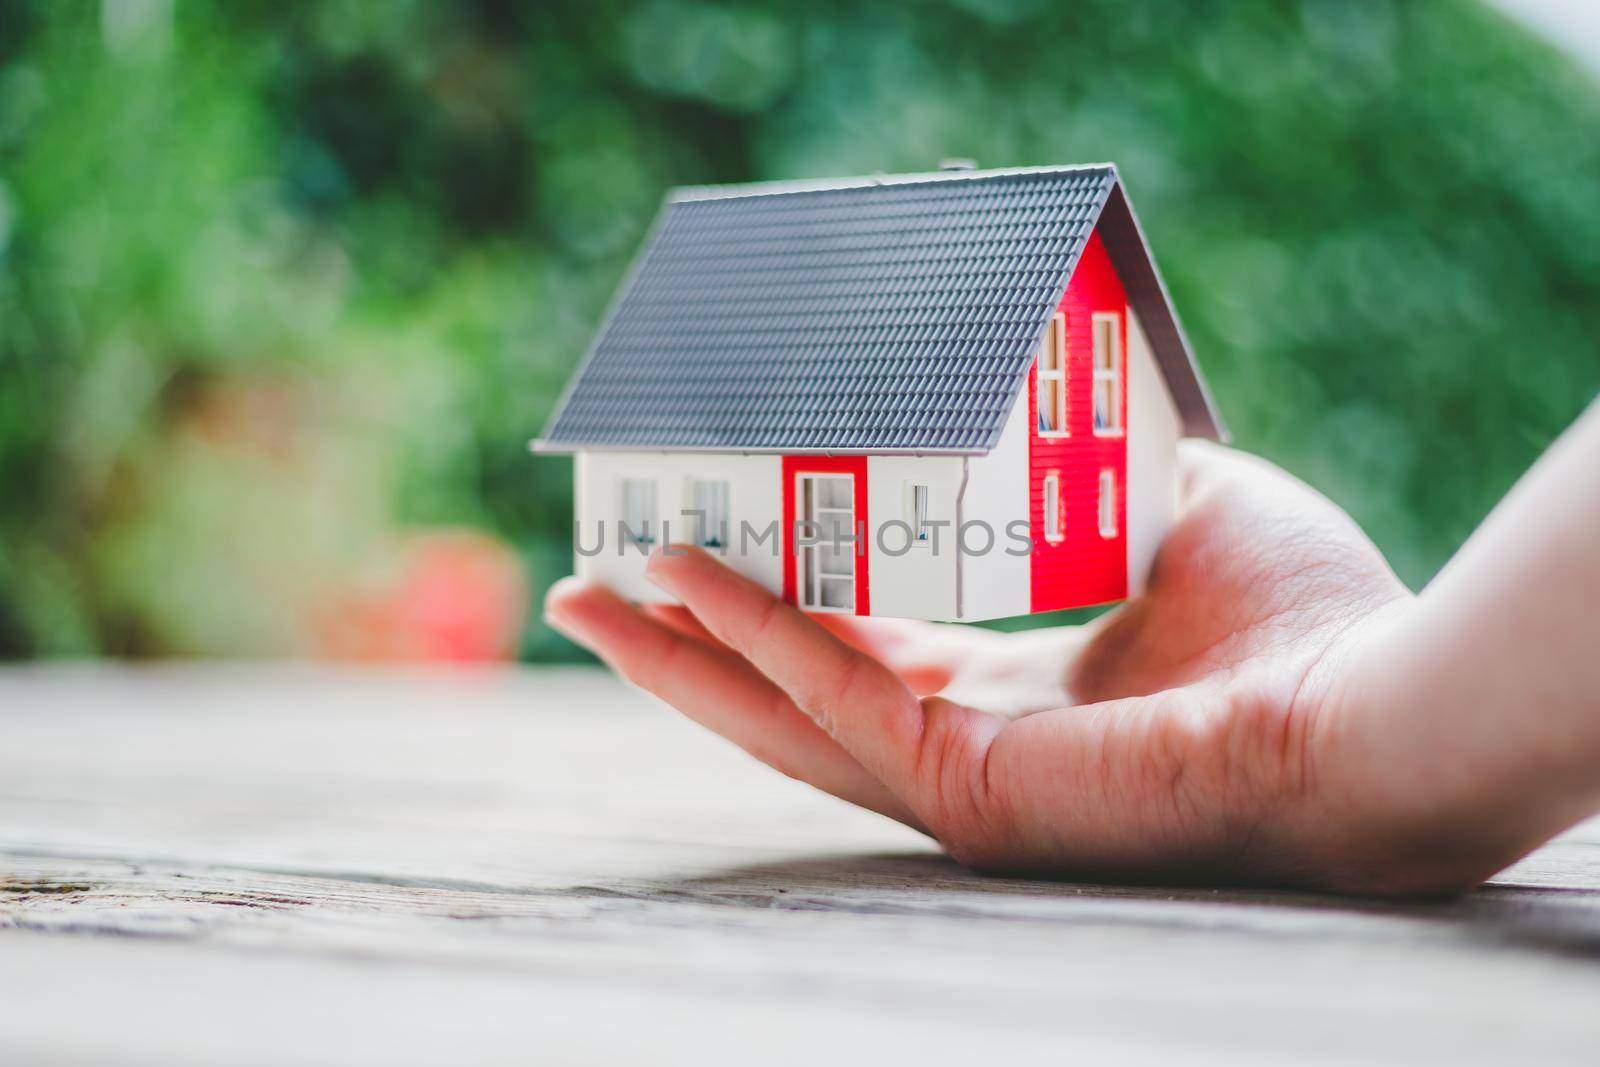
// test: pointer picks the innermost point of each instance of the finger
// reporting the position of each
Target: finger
(925, 658)
(1124, 789)
(1009, 674)
(717, 689)
(1203, 464)
(1025, 673)
(925, 665)
(857, 700)
(1282, 543)
(1261, 490)
(682, 620)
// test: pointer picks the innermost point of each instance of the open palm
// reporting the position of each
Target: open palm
(1182, 736)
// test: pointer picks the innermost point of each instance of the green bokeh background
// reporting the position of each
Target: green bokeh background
(399, 223)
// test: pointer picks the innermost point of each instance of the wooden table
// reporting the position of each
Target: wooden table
(296, 864)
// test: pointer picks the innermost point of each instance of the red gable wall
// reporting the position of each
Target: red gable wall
(1084, 568)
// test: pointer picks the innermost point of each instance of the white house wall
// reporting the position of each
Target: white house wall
(919, 583)
(997, 584)
(754, 483)
(1153, 433)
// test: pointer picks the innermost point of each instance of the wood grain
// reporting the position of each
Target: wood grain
(284, 865)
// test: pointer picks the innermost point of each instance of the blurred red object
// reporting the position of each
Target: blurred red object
(459, 596)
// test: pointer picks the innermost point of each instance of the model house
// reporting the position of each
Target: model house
(950, 396)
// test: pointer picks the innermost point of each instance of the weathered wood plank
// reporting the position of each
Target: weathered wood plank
(543, 861)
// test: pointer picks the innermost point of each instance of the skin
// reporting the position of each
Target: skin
(1277, 709)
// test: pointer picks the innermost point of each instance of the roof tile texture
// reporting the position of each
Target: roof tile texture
(872, 317)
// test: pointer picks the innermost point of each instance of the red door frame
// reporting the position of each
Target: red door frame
(793, 467)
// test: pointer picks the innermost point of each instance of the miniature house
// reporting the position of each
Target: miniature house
(950, 396)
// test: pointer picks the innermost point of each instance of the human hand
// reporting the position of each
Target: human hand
(1218, 728)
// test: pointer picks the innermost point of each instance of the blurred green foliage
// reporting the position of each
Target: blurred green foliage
(396, 225)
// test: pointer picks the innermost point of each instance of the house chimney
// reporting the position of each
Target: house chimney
(958, 164)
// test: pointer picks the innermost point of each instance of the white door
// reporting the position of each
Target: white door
(827, 570)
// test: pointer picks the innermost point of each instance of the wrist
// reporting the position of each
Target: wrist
(1437, 783)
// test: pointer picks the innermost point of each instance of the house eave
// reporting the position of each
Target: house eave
(540, 446)
(689, 193)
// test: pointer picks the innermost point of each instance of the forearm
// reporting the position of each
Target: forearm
(1480, 704)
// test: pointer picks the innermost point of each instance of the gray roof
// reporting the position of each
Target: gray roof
(884, 314)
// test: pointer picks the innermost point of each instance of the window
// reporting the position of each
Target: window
(827, 569)
(1108, 503)
(1107, 372)
(708, 508)
(1052, 389)
(638, 512)
(917, 513)
(1052, 508)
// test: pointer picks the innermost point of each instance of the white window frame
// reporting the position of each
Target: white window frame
(706, 506)
(809, 586)
(1108, 503)
(1055, 341)
(1111, 374)
(642, 532)
(1054, 527)
(917, 515)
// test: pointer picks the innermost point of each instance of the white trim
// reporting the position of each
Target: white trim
(1107, 506)
(809, 593)
(1111, 374)
(686, 193)
(1055, 528)
(1055, 342)
(917, 516)
(540, 447)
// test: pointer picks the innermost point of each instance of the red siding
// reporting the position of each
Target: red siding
(797, 465)
(1084, 567)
